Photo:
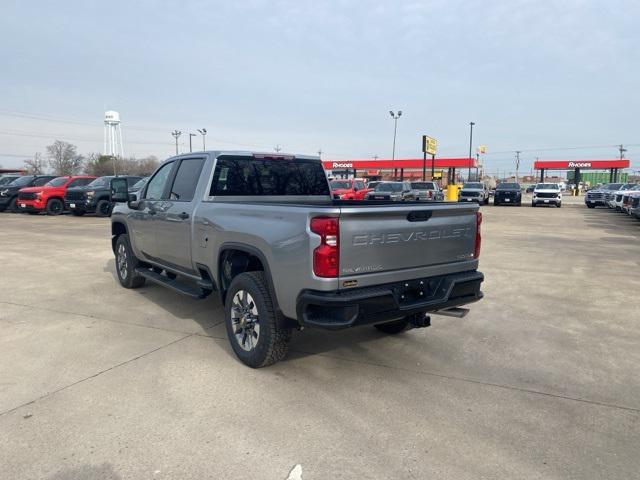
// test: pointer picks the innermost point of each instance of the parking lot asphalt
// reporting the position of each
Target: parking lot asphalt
(540, 380)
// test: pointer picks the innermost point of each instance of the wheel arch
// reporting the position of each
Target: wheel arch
(235, 258)
(117, 229)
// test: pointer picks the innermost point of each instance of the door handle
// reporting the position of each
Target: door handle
(184, 215)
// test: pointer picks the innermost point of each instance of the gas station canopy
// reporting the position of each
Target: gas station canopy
(398, 163)
(572, 164)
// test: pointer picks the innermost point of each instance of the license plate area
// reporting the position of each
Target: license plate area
(416, 291)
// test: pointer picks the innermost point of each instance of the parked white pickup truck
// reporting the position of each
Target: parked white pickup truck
(547, 194)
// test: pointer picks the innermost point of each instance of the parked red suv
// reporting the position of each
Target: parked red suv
(49, 197)
(352, 189)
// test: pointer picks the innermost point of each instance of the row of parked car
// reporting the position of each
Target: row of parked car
(53, 195)
(359, 189)
(621, 197)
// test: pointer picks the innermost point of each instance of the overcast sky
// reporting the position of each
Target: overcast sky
(309, 75)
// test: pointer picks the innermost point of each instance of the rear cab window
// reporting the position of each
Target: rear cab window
(257, 176)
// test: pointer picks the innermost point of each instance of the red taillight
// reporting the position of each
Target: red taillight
(326, 257)
(476, 251)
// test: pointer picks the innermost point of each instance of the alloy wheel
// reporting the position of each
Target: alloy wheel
(245, 320)
(123, 262)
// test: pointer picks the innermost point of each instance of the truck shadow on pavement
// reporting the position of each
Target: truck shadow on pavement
(103, 471)
(208, 313)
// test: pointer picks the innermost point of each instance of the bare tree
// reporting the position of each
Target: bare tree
(35, 165)
(64, 158)
(98, 165)
(147, 165)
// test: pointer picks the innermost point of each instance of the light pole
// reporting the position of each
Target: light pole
(471, 124)
(518, 152)
(191, 135)
(203, 132)
(395, 131)
(176, 134)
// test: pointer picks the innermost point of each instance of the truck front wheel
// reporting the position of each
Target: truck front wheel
(252, 324)
(54, 207)
(126, 263)
(394, 327)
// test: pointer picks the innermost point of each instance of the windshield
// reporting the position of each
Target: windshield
(336, 184)
(612, 186)
(7, 180)
(547, 186)
(57, 182)
(473, 185)
(508, 186)
(21, 181)
(139, 184)
(423, 186)
(627, 186)
(389, 187)
(100, 182)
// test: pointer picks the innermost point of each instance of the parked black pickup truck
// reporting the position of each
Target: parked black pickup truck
(93, 198)
(263, 231)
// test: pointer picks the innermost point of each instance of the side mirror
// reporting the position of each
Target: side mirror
(119, 190)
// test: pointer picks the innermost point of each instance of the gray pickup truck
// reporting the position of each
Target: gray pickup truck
(263, 232)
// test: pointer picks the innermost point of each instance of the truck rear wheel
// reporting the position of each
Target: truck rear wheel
(252, 324)
(126, 263)
(392, 328)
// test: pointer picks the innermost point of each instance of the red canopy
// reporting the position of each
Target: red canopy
(463, 162)
(571, 164)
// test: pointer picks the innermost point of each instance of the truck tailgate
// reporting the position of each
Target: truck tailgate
(380, 238)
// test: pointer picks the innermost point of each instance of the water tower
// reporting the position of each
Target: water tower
(112, 135)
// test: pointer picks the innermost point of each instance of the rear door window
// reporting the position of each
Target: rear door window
(184, 184)
(242, 176)
(80, 182)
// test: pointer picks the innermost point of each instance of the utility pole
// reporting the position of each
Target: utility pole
(320, 152)
(277, 148)
(471, 124)
(622, 151)
(191, 135)
(518, 152)
(176, 134)
(203, 132)
(395, 131)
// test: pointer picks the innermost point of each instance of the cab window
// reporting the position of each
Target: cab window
(158, 183)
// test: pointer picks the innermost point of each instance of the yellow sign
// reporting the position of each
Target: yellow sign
(437, 174)
(429, 145)
(482, 149)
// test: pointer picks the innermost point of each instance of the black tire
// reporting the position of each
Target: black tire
(486, 201)
(126, 263)
(393, 328)
(55, 207)
(33, 213)
(495, 204)
(249, 304)
(13, 205)
(559, 204)
(591, 206)
(533, 204)
(78, 213)
(103, 208)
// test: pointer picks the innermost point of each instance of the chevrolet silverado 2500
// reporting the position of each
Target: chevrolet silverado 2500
(263, 232)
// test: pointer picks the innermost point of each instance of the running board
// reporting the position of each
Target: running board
(452, 312)
(175, 285)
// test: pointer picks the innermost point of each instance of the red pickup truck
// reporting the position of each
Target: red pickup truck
(50, 196)
(352, 189)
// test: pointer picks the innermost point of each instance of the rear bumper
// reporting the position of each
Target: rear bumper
(361, 306)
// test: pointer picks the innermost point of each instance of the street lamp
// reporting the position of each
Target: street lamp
(203, 132)
(471, 124)
(395, 131)
(176, 134)
(191, 135)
